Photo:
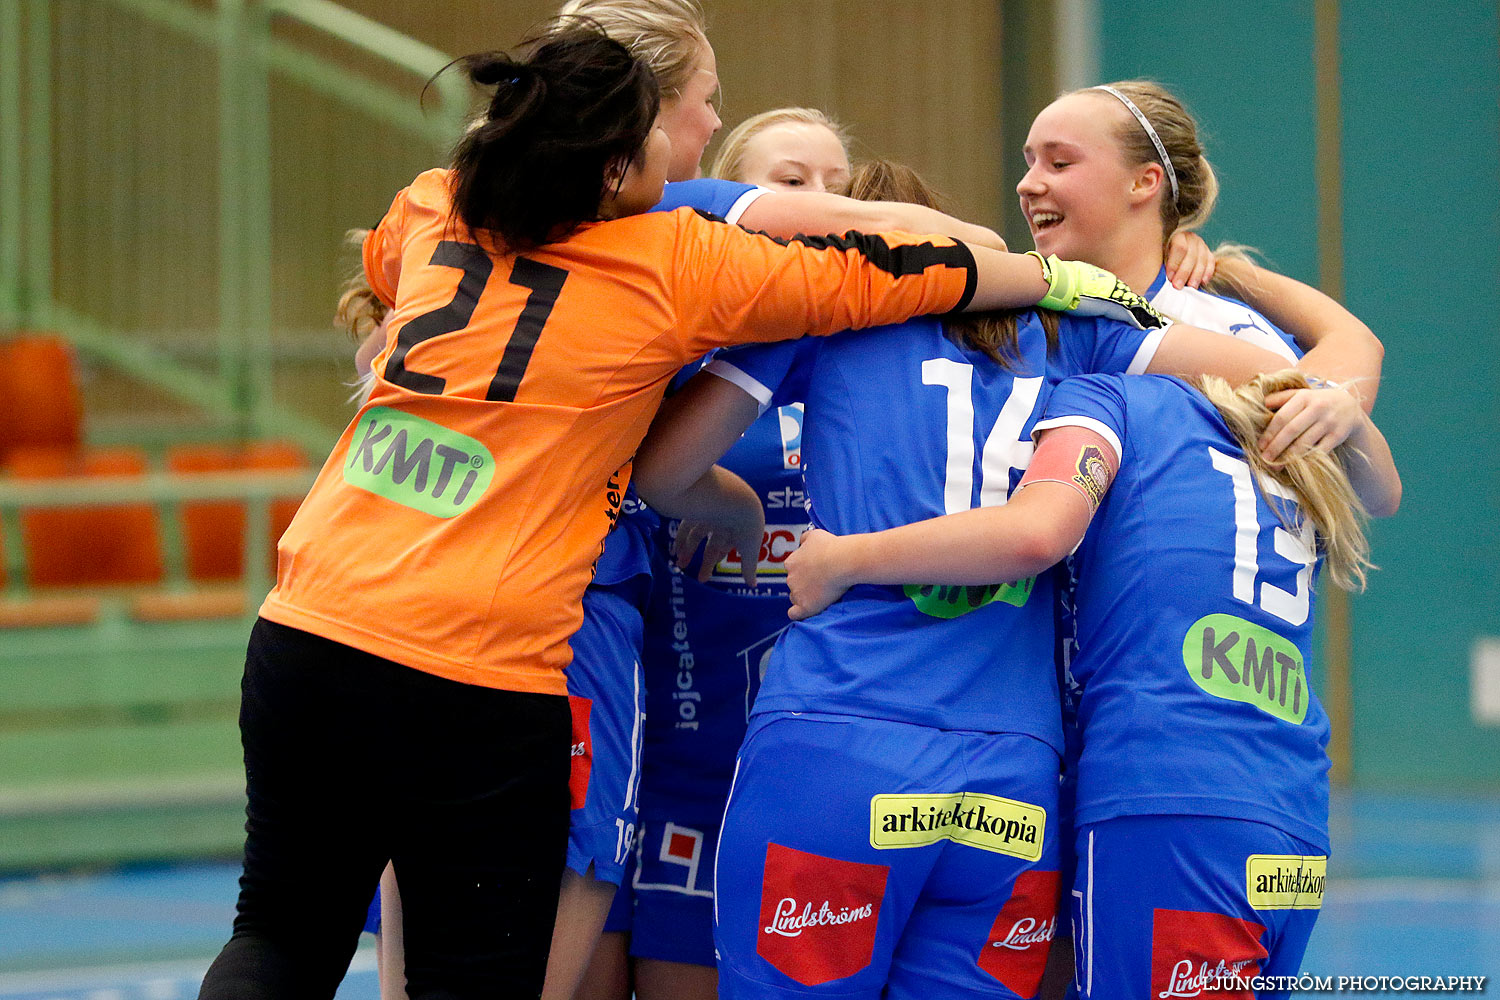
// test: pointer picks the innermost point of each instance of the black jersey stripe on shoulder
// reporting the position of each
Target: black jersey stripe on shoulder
(904, 260)
(711, 217)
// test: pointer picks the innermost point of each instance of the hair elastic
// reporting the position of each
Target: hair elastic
(1161, 150)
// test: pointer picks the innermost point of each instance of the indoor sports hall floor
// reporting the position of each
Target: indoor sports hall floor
(1414, 889)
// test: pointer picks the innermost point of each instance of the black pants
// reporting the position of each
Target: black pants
(352, 760)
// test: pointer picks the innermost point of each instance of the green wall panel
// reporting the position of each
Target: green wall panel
(1420, 135)
(1421, 109)
(1247, 75)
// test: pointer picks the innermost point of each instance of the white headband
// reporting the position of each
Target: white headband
(1161, 150)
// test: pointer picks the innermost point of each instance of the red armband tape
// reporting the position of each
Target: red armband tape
(1076, 457)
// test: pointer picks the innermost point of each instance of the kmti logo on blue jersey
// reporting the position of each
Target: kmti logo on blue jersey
(1237, 660)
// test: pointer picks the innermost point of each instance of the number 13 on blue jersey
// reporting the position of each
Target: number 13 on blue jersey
(1298, 549)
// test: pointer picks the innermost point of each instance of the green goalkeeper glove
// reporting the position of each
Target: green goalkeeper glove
(1086, 290)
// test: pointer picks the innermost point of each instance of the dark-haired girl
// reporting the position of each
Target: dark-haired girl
(428, 586)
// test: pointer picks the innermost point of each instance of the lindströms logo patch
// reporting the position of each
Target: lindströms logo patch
(1016, 951)
(582, 757)
(1285, 881)
(988, 822)
(1238, 660)
(417, 463)
(1192, 950)
(818, 914)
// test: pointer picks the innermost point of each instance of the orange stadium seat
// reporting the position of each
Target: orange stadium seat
(44, 406)
(84, 546)
(214, 530)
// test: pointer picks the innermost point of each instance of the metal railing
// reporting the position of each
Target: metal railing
(147, 215)
(167, 492)
(81, 246)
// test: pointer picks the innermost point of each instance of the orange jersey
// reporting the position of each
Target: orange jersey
(455, 526)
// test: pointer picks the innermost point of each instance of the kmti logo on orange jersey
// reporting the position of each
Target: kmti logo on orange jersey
(417, 463)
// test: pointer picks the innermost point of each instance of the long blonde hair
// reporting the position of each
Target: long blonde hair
(1237, 280)
(359, 310)
(1197, 186)
(1317, 479)
(994, 333)
(730, 163)
(666, 35)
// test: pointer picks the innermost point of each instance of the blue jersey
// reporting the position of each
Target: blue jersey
(1194, 617)
(1209, 311)
(625, 561)
(627, 550)
(726, 199)
(904, 424)
(707, 643)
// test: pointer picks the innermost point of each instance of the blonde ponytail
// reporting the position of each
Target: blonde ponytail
(359, 311)
(1177, 130)
(1317, 479)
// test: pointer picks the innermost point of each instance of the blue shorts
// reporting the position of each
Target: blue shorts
(607, 695)
(668, 910)
(1163, 906)
(1067, 797)
(862, 858)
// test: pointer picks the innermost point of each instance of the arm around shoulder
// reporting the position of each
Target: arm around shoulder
(692, 431)
(1339, 345)
(1372, 469)
(1188, 351)
(786, 215)
(970, 548)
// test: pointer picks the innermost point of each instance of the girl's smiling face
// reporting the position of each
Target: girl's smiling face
(1078, 192)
